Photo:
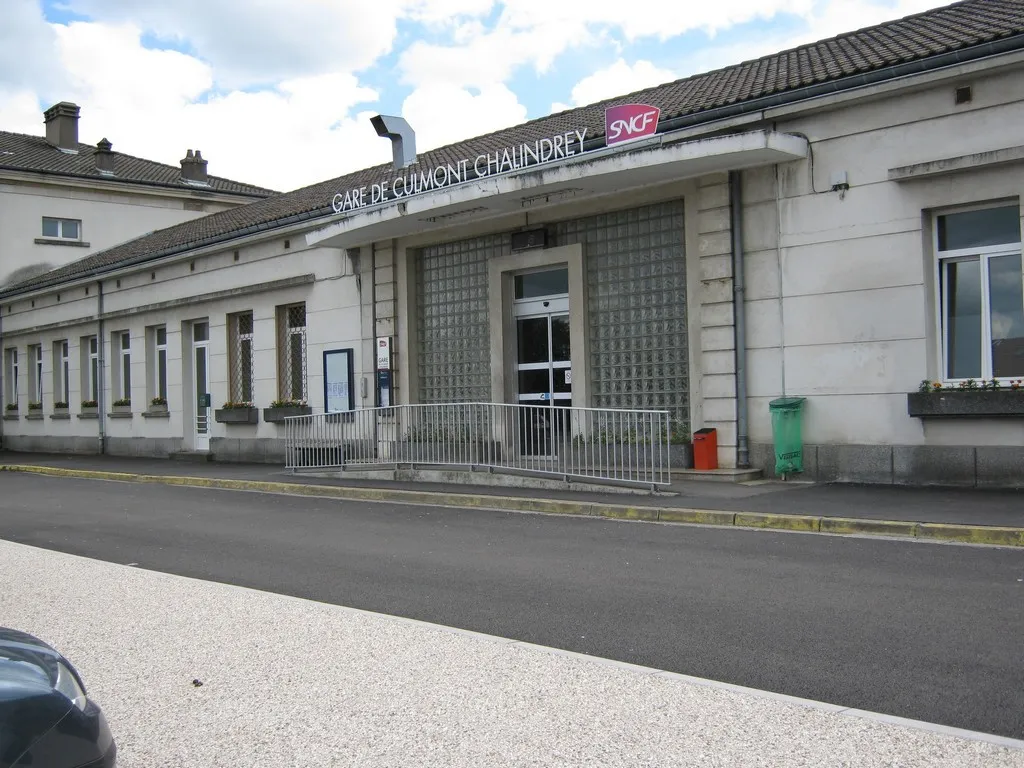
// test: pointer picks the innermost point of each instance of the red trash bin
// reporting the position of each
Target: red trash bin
(705, 448)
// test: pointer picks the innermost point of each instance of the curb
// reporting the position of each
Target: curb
(939, 532)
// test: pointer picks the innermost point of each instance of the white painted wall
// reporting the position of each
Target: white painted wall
(108, 218)
(840, 294)
(332, 316)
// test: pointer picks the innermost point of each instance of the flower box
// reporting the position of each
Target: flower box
(248, 415)
(276, 414)
(120, 411)
(966, 403)
(60, 412)
(89, 412)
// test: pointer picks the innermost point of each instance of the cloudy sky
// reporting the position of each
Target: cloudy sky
(280, 92)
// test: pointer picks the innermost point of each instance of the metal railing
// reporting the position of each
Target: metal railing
(603, 445)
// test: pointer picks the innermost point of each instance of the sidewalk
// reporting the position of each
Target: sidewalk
(981, 516)
(292, 682)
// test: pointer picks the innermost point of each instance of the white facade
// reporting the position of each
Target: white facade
(108, 212)
(843, 297)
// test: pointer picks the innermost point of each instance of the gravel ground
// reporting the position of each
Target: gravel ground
(289, 682)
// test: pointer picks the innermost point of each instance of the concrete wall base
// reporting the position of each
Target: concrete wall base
(951, 466)
(257, 450)
(149, 447)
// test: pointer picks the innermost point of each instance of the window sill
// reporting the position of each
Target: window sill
(60, 416)
(120, 415)
(34, 416)
(165, 414)
(57, 241)
(966, 404)
(88, 415)
(11, 416)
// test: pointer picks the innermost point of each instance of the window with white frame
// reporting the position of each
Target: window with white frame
(90, 369)
(982, 293)
(122, 343)
(11, 376)
(35, 372)
(158, 370)
(240, 356)
(61, 372)
(62, 229)
(291, 349)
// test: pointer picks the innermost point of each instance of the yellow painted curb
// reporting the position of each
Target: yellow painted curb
(781, 522)
(696, 516)
(850, 525)
(971, 534)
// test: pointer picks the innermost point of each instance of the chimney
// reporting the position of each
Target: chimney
(62, 125)
(104, 158)
(193, 168)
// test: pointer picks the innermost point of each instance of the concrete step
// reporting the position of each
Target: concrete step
(191, 456)
(718, 475)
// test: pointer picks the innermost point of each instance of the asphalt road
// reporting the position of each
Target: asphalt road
(926, 631)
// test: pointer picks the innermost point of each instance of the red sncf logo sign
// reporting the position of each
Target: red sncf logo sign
(628, 122)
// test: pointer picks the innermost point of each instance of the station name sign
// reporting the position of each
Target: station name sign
(524, 155)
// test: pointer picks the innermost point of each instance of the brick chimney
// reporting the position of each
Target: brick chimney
(193, 168)
(62, 125)
(104, 157)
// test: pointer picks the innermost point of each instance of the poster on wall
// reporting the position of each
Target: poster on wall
(338, 381)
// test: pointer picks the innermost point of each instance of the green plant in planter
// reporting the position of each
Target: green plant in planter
(232, 405)
(90, 404)
(12, 407)
(60, 405)
(288, 404)
(123, 402)
(158, 401)
(32, 406)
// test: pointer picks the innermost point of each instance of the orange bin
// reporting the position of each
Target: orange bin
(705, 449)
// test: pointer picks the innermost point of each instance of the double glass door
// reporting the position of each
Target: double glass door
(544, 360)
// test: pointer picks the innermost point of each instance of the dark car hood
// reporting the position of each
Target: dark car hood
(29, 704)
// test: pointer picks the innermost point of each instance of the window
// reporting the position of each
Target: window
(35, 372)
(62, 229)
(61, 372)
(291, 325)
(90, 369)
(982, 293)
(123, 384)
(240, 337)
(158, 367)
(11, 376)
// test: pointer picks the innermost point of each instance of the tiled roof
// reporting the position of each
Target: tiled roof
(845, 61)
(21, 152)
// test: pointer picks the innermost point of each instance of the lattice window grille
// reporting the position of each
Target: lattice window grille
(292, 353)
(242, 372)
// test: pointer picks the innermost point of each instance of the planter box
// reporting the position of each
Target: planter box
(237, 415)
(60, 413)
(34, 415)
(965, 404)
(275, 415)
(89, 413)
(11, 416)
(120, 411)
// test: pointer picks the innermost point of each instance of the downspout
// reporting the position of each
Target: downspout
(739, 318)
(100, 370)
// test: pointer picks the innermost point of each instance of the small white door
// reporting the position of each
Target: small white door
(201, 368)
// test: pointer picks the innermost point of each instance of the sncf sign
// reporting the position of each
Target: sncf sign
(628, 122)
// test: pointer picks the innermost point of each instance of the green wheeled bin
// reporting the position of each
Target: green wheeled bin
(787, 433)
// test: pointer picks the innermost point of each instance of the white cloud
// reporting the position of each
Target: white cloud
(618, 79)
(26, 47)
(155, 104)
(443, 114)
(251, 43)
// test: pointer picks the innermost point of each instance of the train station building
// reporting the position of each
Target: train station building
(839, 222)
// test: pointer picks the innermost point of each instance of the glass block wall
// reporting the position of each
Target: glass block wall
(636, 277)
(636, 280)
(454, 334)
